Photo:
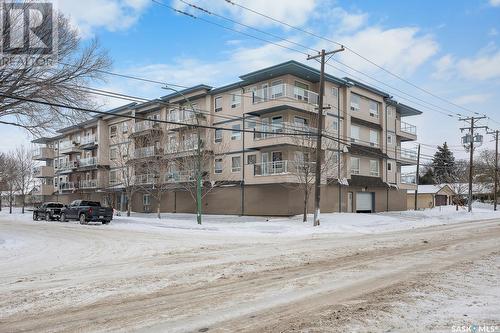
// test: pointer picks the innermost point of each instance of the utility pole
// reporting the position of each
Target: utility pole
(470, 139)
(317, 183)
(416, 178)
(496, 168)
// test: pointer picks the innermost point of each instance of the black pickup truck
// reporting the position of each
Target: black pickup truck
(48, 211)
(87, 211)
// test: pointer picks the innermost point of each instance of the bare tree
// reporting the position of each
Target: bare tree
(122, 163)
(8, 176)
(24, 165)
(61, 82)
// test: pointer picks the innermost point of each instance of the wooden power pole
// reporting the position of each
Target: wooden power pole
(317, 183)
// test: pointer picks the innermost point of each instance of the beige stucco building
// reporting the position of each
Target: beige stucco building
(257, 141)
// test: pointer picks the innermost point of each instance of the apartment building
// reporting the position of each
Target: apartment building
(255, 142)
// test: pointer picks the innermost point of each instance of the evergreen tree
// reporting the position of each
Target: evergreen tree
(427, 178)
(444, 166)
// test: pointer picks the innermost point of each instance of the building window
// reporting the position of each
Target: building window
(373, 138)
(235, 100)
(112, 176)
(355, 102)
(389, 166)
(374, 109)
(251, 124)
(389, 139)
(236, 164)
(335, 91)
(277, 124)
(299, 121)
(112, 131)
(124, 127)
(354, 133)
(251, 159)
(277, 89)
(146, 202)
(218, 104)
(218, 165)
(113, 153)
(236, 134)
(355, 165)
(218, 135)
(374, 168)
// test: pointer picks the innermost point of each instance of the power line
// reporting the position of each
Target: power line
(354, 52)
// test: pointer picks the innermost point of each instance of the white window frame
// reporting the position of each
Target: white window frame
(236, 135)
(146, 199)
(218, 104)
(389, 138)
(355, 171)
(233, 167)
(218, 139)
(112, 156)
(111, 134)
(373, 112)
(355, 106)
(125, 127)
(374, 143)
(374, 173)
(221, 161)
(235, 100)
(357, 137)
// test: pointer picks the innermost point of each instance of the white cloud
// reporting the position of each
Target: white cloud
(113, 15)
(402, 50)
(443, 66)
(481, 67)
(346, 21)
(493, 32)
(472, 99)
(296, 12)
(495, 3)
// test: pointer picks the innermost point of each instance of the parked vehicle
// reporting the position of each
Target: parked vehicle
(48, 211)
(87, 211)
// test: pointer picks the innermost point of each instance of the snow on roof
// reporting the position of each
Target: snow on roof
(428, 189)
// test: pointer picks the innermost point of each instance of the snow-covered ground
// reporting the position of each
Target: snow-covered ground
(171, 274)
(343, 223)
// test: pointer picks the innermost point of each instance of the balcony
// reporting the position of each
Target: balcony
(67, 167)
(145, 127)
(407, 156)
(282, 96)
(88, 142)
(146, 152)
(67, 186)
(279, 136)
(88, 162)
(43, 172)
(186, 117)
(88, 183)
(146, 179)
(44, 189)
(179, 176)
(286, 171)
(409, 179)
(43, 154)
(406, 131)
(68, 147)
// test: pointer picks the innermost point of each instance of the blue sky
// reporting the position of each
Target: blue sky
(448, 47)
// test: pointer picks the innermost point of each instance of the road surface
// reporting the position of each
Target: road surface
(64, 277)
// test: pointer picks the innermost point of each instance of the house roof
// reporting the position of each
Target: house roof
(431, 189)
(187, 91)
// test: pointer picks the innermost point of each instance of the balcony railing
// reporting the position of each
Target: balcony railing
(408, 154)
(271, 168)
(408, 179)
(408, 128)
(88, 140)
(67, 166)
(143, 126)
(145, 152)
(179, 176)
(144, 179)
(87, 162)
(283, 128)
(284, 91)
(88, 183)
(68, 186)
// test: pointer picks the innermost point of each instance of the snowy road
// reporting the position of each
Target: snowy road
(64, 277)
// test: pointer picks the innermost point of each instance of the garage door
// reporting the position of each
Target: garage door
(364, 202)
(441, 200)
